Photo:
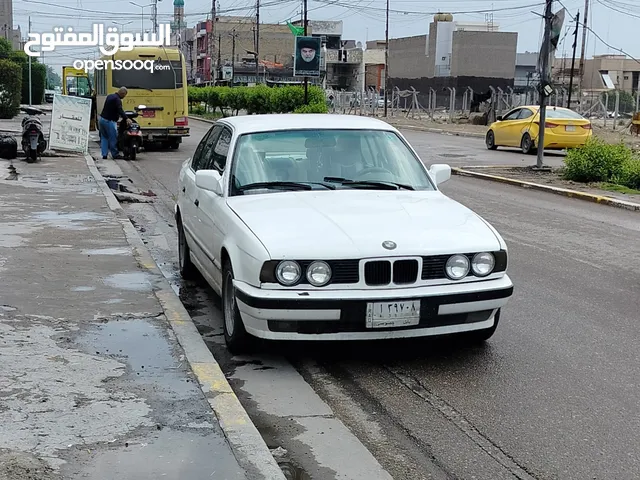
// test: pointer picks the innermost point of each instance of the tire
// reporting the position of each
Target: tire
(187, 269)
(526, 145)
(132, 153)
(174, 145)
(478, 337)
(32, 156)
(236, 337)
(490, 140)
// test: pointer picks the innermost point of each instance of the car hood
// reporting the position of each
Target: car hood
(354, 223)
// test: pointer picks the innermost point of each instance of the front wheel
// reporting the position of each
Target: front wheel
(236, 337)
(133, 151)
(481, 336)
(526, 145)
(490, 140)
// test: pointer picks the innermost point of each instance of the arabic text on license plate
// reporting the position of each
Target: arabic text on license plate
(403, 313)
(570, 128)
(149, 113)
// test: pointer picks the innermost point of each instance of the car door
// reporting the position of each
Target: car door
(188, 189)
(502, 129)
(210, 206)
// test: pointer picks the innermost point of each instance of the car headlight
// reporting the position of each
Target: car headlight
(457, 267)
(288, 272)
(318, 274)
(482, 264)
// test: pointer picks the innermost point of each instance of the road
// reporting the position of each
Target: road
(554, 395)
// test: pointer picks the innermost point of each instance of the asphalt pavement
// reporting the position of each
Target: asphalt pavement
(552, 396)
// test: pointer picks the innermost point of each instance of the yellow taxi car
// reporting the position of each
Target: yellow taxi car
(520, 127)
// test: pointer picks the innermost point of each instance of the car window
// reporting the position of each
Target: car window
(218, 156)
(311, 156)
(512, 115)
(565, 113)
(525, 113)
(201, 154)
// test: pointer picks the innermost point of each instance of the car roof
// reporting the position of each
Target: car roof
(299, 121)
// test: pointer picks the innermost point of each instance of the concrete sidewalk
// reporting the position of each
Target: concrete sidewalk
(93, 382)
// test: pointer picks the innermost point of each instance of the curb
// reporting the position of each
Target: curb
(205, 120)
(589, 197)
(247, 444)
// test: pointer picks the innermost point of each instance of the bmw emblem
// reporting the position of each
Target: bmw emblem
(389, 245)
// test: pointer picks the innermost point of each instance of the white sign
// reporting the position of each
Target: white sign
(227, 73)
(109, 44)
(70, 120)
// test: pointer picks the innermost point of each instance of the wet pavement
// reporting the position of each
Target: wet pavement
(551, 396)
(93, 383)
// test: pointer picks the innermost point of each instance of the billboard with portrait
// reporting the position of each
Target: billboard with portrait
(307, 57)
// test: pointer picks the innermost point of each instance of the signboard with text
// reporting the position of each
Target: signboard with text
(70, 119)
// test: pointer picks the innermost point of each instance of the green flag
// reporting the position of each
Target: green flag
(297, 31)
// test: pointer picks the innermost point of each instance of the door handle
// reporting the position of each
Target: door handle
(196, 202)
(184, 189)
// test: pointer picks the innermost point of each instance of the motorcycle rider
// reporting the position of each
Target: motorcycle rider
(111, 112)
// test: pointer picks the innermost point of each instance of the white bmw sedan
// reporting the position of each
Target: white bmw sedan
(329, 227)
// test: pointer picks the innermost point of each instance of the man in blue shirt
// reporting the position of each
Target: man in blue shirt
(111, 113)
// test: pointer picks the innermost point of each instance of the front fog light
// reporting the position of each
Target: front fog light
(457, 267)
(288, 272)
(318, 274)
(482, 264)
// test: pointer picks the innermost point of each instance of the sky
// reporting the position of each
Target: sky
(613, 21)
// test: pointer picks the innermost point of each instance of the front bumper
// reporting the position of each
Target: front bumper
(341, 315)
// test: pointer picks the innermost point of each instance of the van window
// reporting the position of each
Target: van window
(166, 76)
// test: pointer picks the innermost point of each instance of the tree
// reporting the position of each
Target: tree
(5, 48)
(10, 86)
(53, 79)
(627, 101)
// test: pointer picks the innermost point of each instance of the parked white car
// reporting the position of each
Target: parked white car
(329, 227)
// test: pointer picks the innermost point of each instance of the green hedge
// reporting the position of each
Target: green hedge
(10, 87)
(259, 99)
(598, 161)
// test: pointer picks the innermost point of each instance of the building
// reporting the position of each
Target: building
(201, 52)
(6, 25)
(526, 75)
(374, 66)
(608, 72)
(475, 55)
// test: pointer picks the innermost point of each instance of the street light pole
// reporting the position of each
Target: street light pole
(30, 82)
(306, 79)
(386, 61)
(573, 58)
(141, 7)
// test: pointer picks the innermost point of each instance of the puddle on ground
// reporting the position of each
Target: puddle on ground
(83, 289)
(291, 472)
(137, 281)
(108, 251)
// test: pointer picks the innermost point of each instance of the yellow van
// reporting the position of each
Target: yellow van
(156, 79)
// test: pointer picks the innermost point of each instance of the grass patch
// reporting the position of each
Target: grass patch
(612, 187)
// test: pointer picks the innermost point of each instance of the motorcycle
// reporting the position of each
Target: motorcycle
(33, 141)
(129, 136)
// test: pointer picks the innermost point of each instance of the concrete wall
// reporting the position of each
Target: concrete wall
(408, 57)
(6, 19)
(484, 54)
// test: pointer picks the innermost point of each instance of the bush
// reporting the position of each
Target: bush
(259, 99)
(313, 108)
(598, 161)
(10, 87)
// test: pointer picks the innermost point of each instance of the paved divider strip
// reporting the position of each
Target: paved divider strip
(246, 442)
(589, 197)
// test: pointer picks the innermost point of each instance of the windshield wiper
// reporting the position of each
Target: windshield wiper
(283, 185)
(371, 183)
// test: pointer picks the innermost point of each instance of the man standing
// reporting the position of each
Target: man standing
(111, 113)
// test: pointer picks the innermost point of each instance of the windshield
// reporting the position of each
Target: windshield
(78, 86)
(326, 159)
(165, 76)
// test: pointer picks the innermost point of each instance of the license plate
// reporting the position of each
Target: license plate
(570, 128)
(149, 113)
(404, 313)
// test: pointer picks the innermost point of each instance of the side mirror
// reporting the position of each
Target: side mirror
(499, 118)
(209, 180)
(440, 172)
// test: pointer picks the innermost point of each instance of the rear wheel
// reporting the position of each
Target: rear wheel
(236, 337)
(481, 336)
(174, 144)
(32, 156)
(187, 269)
(526, 145)
(490, 140)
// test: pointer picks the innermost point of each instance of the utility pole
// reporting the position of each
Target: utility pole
(584, 43)
(154, 15)
(573, 58)
(306, 79)
(212, 40)
(386, 60)
(233, 55)
(544, 80)
(219, 53)
(30, 82)
(257, 47)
